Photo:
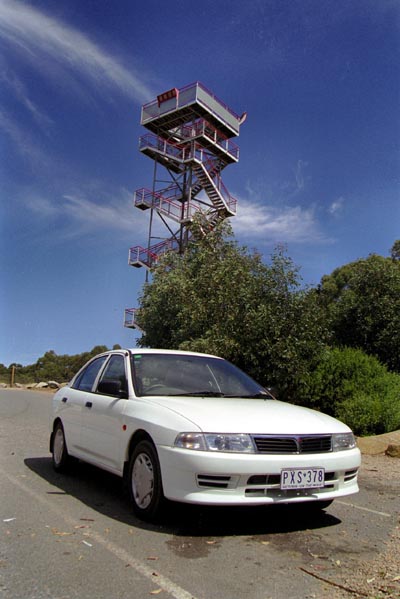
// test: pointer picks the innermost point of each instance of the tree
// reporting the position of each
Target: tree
(395, 251)
(220, 298)
(362, 300)
(50, 366)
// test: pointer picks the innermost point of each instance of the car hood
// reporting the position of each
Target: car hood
(254, 416)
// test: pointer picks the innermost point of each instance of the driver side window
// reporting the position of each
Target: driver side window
(114, 372)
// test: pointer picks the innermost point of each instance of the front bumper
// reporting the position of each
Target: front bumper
(252, 479)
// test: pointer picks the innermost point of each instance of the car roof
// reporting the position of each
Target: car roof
(177, 352)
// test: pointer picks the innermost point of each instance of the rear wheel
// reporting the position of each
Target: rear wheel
(60, 454)
(144, 479)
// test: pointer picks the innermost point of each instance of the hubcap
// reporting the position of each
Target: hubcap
(58, 446)
(143, 480)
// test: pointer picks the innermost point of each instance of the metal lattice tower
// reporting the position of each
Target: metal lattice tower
(190, 140)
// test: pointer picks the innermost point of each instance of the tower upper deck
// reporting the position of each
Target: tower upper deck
(179, 106)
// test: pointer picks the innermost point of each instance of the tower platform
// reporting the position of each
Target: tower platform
(176, 107)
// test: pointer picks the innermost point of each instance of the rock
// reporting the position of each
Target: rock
(18, 385)
(378, 443)
(53, 384)
(393, 451)
(31, 386)
(3, 385)
(41, 385)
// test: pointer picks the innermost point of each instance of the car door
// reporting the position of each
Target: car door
(72, 403)
(102, 413)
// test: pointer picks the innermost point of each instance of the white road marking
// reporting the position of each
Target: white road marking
(364, 509)
(159, 580)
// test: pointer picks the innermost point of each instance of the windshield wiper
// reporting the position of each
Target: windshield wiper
(260, 395)
(198, 394)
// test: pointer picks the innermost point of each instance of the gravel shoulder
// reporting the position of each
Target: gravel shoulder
(380, 577)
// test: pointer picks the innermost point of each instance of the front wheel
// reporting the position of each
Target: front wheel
(313, 507)
(144, 479)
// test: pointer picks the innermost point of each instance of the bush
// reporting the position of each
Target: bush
(356, 388)
(362, 413)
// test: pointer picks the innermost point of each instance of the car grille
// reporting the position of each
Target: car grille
(293, 444)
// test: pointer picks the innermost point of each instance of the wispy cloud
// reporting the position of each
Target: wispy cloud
(22, 140)
(90, 215)
(272, 224)
(49, 43)
(21, 94)
(337, 206)
(78, 215)
(299, 174)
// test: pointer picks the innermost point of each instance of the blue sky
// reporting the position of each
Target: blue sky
(319, 152)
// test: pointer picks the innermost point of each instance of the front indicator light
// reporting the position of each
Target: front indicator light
(191, 441)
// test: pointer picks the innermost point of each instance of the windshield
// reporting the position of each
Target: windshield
(179, 374)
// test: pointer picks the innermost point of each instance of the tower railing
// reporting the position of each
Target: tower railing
(184, 97)
(140, 256)
(168, 201)
(130, 318)
(181, 150)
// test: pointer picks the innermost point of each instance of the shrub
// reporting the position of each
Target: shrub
(362, 413)
(356, 388)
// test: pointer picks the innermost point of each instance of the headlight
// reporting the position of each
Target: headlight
(223, 442)
(216, 442)
(341, 441)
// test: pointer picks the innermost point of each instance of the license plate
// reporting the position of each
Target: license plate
(302, 478)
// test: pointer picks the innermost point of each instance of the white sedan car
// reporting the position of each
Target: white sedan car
(194, 428)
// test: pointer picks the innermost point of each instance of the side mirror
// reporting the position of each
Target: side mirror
(112, 388)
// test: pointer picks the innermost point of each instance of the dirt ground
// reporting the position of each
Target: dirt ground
(379, 578)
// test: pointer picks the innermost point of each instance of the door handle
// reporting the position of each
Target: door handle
(64, 399)
(88, 404)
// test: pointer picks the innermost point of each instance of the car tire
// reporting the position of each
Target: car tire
(322, 505)
(60, 456)
(144, 482)
(315, 506)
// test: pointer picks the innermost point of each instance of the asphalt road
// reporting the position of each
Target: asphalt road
(74, 536)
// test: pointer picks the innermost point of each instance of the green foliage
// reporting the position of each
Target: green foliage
(362, 300)
(49, 367)
(395, 250)
(220, 298)
(362, 413)
(355, 388)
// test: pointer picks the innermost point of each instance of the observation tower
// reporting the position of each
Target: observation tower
(189, 139)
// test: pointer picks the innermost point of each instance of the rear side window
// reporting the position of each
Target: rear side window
(86, 379)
